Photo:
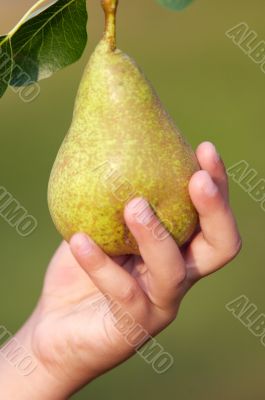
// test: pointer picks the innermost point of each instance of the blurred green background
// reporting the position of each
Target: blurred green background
(214, 92)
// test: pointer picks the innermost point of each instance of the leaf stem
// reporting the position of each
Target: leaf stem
(22, 20)
(110, 9)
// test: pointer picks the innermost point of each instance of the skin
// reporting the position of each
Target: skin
(121, 144)
(74, 343)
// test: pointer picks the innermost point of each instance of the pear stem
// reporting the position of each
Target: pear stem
(110, 10)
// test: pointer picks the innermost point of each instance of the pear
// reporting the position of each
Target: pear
(122, 144)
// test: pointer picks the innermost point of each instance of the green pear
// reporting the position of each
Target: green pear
(122, 144)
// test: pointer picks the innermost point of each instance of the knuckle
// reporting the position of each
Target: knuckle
(234, 248)
(129, 293)
(178, 278)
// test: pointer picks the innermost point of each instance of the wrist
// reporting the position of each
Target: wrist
(22, 375)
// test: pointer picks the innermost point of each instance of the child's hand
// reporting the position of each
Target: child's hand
(73, 340)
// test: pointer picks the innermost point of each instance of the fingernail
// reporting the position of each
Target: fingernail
(83, 243)
(135, 204)
(209, 187)
(141, 210)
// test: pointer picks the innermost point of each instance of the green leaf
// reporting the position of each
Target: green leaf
(5, 65)
(48, 41)
(176, 5)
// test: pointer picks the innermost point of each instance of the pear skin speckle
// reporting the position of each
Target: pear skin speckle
(122, 144)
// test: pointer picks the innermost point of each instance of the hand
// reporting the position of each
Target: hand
(73, 340)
